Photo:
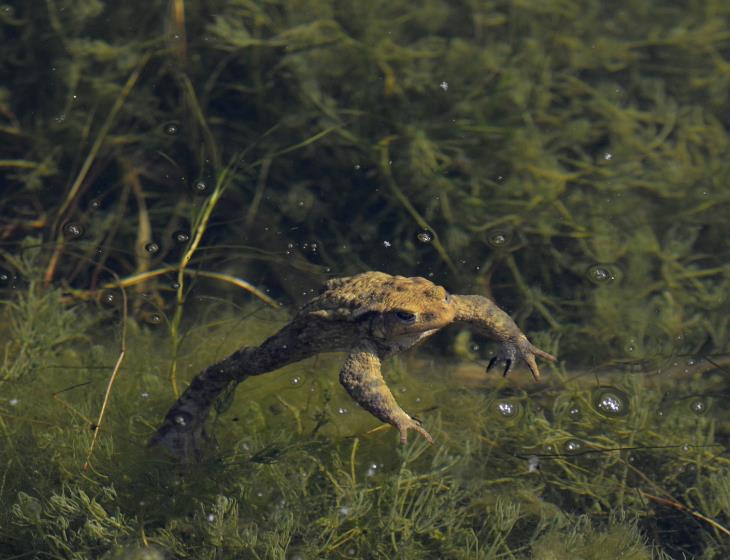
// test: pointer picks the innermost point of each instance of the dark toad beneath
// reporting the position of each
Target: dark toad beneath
(371, 316)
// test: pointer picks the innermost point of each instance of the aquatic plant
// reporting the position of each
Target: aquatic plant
(167, 172)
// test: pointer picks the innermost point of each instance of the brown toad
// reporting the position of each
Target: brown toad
(370, 316)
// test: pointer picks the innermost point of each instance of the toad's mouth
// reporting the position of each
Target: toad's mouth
(412, 338)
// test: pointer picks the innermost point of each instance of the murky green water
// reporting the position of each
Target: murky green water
(177, 177)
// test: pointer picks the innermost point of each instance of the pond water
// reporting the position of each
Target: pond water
(178, 178)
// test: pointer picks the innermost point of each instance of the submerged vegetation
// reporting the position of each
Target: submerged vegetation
(173, 172)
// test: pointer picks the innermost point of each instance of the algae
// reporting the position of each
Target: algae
(175, 175)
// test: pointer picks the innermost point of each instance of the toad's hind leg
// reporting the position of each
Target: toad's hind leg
(363, 380)
(182, 432)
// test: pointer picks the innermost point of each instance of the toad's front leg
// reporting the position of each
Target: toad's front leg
(362, 379)
(484, 316)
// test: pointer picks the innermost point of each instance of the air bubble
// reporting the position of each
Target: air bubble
(109, 299)
(611, 402)
(181, 236)
(533, 463)
(499, 238)
(444, 86)
(296, 380)
(152, 248)
(13, 402)
(386, 244)
(154, 318)
(600, 274)
(573, 446)
(200, 187)
(342, 410)
(507, 409)
(144, 395)
(180, 420)
(210, 517)
(574, 412)
(73, 230)
(95, 204)
(7, 10)
(698, 406)
(425, 237)
(172, 129)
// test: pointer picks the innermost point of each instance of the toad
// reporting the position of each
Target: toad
(369, 316)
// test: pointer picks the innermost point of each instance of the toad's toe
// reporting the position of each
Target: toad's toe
(412, 424)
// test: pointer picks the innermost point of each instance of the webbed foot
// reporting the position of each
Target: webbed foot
(410, 423)
(520, 349)
(182, 438)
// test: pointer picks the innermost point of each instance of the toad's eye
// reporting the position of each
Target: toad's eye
(405, 316)
(447, 299)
